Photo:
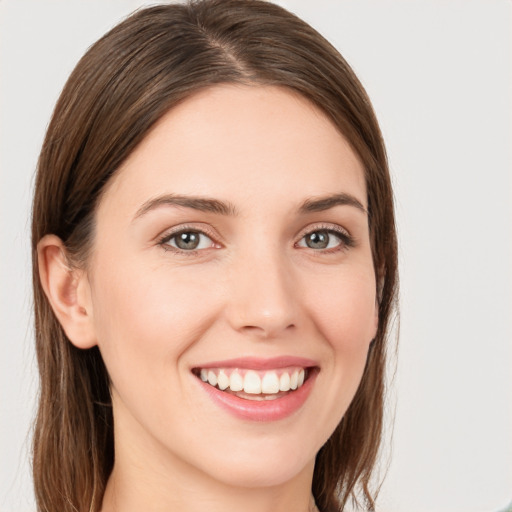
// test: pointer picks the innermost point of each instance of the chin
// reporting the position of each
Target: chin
(265, 463)
(263, 473)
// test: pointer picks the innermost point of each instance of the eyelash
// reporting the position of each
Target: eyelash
(165, 239)
(346, 240)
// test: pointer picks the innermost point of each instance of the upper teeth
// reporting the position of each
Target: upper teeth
(254, 382)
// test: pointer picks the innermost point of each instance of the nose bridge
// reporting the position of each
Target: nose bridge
(263, 301)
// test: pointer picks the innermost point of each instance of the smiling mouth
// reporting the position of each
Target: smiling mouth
(253, 384)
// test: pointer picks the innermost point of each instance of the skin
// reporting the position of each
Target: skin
(253, 288)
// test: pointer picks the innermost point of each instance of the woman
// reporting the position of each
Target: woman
(214, 270)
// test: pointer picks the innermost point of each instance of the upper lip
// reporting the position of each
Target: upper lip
(257, 363)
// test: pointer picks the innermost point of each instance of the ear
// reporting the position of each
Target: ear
(67, 290)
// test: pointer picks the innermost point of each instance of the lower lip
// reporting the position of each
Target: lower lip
(264, 410)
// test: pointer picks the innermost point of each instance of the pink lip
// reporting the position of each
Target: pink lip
(264, 410)
(255, 363)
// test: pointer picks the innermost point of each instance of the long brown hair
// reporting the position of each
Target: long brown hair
(126, 81)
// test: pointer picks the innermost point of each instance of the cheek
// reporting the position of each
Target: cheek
(345, 312)
(144, 319)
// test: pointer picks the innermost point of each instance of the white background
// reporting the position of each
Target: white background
(439, 74)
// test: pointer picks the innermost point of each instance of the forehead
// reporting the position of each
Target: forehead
(235, 142)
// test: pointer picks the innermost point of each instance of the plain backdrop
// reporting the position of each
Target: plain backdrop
(439, 75)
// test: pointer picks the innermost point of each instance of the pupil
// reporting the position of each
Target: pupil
(318, 240)
(188, 240)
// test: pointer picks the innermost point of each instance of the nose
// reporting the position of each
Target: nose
(262, 296)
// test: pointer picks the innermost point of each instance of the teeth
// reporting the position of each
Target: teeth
(223, 380)
(284, 382)
(212, 378)
(268, 383)
(294, 380)
(236, 382)
(252, 383)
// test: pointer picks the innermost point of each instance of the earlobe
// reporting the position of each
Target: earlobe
(67, 290)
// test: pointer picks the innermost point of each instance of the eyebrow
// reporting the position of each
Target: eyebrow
(206, 204)
(203, 204)
(320, 204)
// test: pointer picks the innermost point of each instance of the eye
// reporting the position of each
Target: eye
(189, 240)
(325, 239)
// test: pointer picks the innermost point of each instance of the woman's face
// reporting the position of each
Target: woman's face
(233, 246)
